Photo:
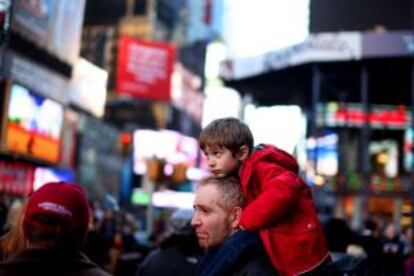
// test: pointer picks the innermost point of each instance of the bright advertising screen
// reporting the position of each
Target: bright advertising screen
(322, 157)
(44, 175)
(408, 149)
(169, 145)
(34, 125)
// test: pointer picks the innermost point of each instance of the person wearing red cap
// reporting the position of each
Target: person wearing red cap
(55, 224)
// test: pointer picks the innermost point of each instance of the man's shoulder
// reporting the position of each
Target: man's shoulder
(251, 256)
(256, 264)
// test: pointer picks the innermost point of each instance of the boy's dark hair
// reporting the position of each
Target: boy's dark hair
(230, 133)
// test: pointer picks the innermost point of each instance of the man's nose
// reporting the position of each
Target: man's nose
(211, 163)
(195, 221)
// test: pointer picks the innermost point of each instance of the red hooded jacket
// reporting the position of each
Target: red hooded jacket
(280, 206)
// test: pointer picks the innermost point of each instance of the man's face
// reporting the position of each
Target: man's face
(221, 161)
(212, 223)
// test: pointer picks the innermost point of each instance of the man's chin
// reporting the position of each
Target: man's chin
(202, 241)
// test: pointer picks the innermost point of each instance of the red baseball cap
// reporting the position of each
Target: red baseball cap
(64, 202)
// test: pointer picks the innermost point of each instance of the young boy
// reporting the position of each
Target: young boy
(280, 204)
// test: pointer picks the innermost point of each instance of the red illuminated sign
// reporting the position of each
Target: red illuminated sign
(144, 69)
(353, 114)
(397, 117)
(16, 178)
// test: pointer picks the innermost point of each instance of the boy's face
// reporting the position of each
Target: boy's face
(221, 161)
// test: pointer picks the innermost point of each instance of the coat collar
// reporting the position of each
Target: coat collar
(272, 154)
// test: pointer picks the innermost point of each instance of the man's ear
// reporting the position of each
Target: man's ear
(235, 217)
(243, 153)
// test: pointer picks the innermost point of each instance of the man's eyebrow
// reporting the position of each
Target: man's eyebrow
(200, 206)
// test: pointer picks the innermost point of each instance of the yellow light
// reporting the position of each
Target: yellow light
(319, 180)
(405, 221)
(382, 158)
(406, 208)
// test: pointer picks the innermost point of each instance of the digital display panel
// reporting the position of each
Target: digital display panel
(33, 125)
(45, 175)
(322, 158)
(172, 146)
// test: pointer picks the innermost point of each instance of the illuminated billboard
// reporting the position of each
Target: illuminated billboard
(144, 69)
(33, 125)
(55, 26)
(335, 114)
(168, 145)
(88, 87)
(43, 175)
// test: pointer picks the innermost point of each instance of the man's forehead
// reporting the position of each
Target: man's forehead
(207, 188)
(207, 195)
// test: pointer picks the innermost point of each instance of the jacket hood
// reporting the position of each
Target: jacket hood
(275, 155)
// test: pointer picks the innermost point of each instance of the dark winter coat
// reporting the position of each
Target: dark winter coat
(281, 207)
(242, 254)
(50, 263)
(177, 256)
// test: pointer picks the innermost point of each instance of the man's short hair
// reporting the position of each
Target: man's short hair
(230, 190)
(57, 213)
(230, 133)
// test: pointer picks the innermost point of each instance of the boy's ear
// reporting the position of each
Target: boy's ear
(243, 153)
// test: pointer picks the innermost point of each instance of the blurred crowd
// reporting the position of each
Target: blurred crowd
(115, 242)
(376, 249)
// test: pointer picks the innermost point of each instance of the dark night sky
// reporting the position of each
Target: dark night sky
(326, 15)
(108, 12)
(357, 15)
